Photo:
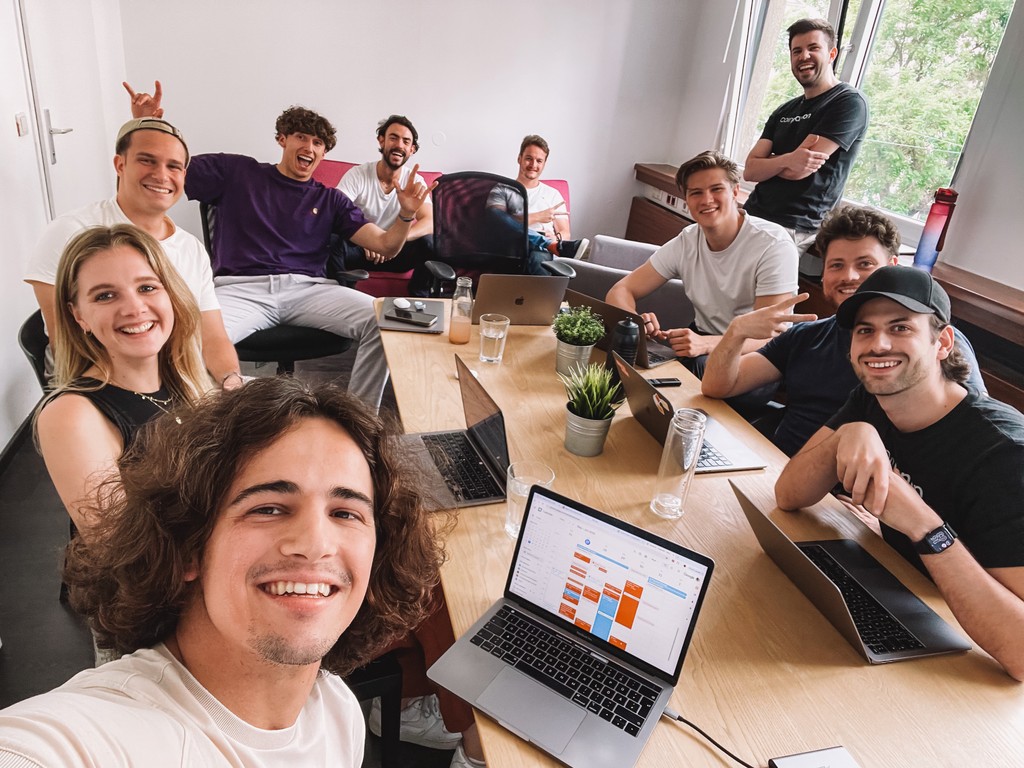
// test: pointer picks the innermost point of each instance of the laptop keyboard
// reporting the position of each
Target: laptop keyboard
(711, 458)
(878, 628)
(653, 358)
(463, 471)
(605, 688)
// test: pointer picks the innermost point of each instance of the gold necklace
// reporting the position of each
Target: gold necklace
(161, 404)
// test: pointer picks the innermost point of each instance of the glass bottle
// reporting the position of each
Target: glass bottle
(462, 311)
(678, 462)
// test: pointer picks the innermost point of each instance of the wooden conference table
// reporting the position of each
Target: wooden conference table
(766, 674)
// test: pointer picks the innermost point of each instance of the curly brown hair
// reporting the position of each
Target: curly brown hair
(130, 579)
(855, 222)
(302, 120)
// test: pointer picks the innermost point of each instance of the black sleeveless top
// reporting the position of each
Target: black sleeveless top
(125, 409)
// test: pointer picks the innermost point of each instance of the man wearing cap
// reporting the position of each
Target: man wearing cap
(150, 161)
(274, 223)
(811, 359)
(940, 465)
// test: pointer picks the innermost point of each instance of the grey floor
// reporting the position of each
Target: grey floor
(44, 642)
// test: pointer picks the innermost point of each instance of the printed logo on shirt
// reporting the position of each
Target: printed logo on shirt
(904, 475)
(316, 211)
(796, 119)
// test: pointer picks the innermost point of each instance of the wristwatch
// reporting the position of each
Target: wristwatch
(936, 541)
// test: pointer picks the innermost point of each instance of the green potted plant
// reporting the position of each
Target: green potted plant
(593, 394)
(577, 331)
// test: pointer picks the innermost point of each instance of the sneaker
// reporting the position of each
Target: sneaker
(461, 760)
(421, 724)
(573, 249)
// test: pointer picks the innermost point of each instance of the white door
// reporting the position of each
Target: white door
(66, 69)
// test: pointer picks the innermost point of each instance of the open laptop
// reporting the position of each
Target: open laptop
(523, 299)
(581, 655)
(721, 451)
(466, 466)
(648, 353)
(853, 590)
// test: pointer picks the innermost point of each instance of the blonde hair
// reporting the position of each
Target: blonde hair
(181, 368)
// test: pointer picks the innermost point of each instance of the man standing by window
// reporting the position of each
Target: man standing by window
(807, 147)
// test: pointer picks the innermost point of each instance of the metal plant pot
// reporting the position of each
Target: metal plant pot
(568, 356)
(585, 437)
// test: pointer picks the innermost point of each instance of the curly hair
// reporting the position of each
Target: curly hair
(853, 222)
(705, 161)
(955, 366)
(181, 367)
(302, 120)
(130, 580)
(387, 122)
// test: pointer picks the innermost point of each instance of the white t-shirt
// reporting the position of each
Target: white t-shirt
(362, 187)
(146, 709)
(761, 261)
(183, 249)
(540, 197)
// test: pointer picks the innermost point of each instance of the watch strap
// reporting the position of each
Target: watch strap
(936, 541)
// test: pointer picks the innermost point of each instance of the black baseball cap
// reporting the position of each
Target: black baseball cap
(912, 288)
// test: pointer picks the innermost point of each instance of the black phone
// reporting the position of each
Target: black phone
(409, 316)
(665, 382)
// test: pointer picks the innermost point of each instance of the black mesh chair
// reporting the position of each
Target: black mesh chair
(472, 239)
(284, 344)
(382, 677)
(33, 341)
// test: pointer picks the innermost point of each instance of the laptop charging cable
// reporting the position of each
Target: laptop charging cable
(671, 714)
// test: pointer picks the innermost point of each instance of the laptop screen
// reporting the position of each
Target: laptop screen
(484, 421)
(636, 594)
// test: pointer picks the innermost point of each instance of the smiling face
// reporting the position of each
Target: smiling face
(531, 164)
(810, 58)
(151, 172)
(711, 198)
(301, 154)
(287, 565)
(848, 263)
(121, 301)
(396, 145)
(893, 350)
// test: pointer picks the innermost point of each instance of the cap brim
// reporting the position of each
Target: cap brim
(847, 312)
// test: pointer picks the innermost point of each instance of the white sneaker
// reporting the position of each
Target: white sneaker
(461, 760)
(421, 724)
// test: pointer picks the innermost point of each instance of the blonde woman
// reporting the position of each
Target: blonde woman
(125, 349)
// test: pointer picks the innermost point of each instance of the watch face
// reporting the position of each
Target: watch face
(939, 539)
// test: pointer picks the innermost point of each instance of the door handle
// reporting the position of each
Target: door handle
(50, 133)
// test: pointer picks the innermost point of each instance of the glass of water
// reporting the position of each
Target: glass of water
(493, 332)
(520, 477)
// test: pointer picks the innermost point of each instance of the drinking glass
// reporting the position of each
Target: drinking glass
(493, 332)
(520, 477)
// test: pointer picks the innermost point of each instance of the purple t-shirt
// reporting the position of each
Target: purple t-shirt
(267, 223)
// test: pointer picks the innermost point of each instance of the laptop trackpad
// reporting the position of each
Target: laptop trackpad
(531, 710)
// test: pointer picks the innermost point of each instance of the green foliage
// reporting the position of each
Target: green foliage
(579, 326)
(592, 392)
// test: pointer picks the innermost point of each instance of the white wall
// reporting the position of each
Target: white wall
(600, 79)
(22, 217)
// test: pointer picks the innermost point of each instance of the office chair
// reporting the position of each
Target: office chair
(382, 677)
(284, 344)
(470, 239)
(33, 341)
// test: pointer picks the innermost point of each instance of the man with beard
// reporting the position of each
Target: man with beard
(371, 186)
(811, 360)
(939, 464)
(265, 542)
(804, 155)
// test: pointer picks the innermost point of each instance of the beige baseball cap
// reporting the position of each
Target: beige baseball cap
(151, 124)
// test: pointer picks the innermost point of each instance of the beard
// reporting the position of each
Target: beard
(277, 650)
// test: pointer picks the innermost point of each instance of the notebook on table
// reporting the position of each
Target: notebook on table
(882, 619)
(648, 353)
(581, 655)
(466, 466)
(721, 452)
(523, 299)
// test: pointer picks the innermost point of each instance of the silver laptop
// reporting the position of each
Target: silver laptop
(523, 299)
(582, 654)
(465, 467)
(882, 619)
(648, 353)
(721, 451)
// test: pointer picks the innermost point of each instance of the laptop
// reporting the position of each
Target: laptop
(721, 451)
(581, 655)
(465, 467)
(648, 353)
(882, 619)
(523, 299)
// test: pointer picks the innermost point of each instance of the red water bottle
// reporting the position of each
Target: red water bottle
(933, 236)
